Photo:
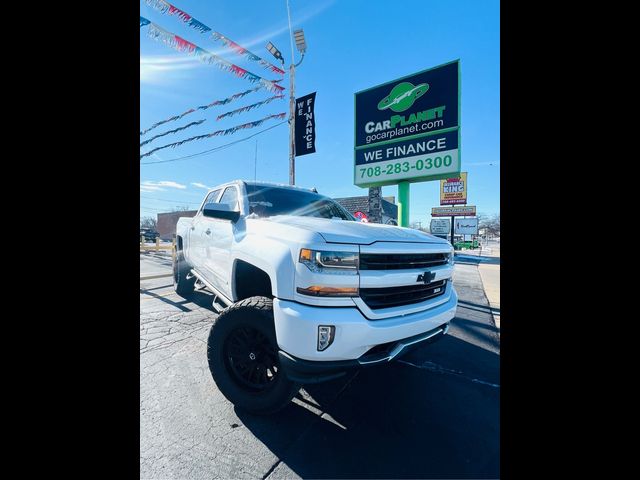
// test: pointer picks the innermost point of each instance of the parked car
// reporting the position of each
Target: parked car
(461, 245)
(148, 234)
(279, 261)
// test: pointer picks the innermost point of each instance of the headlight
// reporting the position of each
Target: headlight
(451, 257)
(329, 261)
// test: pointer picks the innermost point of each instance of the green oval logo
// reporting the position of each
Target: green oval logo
(402, 96)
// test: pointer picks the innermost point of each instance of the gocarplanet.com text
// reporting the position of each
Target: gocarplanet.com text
(417, 122)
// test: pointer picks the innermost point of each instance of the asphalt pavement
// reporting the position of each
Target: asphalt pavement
(433, 414)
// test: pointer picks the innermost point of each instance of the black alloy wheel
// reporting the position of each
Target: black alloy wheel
(251, 359)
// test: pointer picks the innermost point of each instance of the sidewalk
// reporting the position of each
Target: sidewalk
(490, 275)
(489, 269)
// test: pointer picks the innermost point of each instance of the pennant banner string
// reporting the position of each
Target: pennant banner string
(165, 7)
(182, 45)
(249, 107)
(143, 21)
(173, 131)
(228, 131)
(202, 107)
(215, 149)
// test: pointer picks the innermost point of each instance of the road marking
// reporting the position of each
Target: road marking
(155, 295)
(162, 275)
(434, 367)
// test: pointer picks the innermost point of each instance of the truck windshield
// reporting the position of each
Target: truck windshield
(271, 201)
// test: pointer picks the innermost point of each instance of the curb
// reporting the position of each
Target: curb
(492, 305)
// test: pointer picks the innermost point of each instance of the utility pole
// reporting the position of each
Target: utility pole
(301, 45)
(292, 123)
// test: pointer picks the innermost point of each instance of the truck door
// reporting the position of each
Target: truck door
(196, 254)
(219, 241)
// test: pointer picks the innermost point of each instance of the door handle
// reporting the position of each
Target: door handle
(193, 228)
(208, 232)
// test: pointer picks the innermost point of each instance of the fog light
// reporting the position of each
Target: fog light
(325, 336)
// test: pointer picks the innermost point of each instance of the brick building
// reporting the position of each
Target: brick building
(361, 204)
(166, 224)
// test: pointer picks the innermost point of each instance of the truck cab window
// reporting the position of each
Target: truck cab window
(230, 197)
(212, 197)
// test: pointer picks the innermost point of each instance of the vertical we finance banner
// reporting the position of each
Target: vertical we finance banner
(305, 125)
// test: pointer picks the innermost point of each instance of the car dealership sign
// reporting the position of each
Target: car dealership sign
(409, 129)
(459, 211)
(453, 191)
(440, 226)
(466, 226)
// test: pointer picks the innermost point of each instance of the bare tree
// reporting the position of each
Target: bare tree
(148, 222)
(180, 208)
(491, 224)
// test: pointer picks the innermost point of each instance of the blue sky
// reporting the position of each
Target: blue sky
(352, 45)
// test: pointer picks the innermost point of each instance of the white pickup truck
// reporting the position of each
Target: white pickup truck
(304, 291)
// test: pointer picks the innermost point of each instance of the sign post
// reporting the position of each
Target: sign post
(453, 219)
(408, 130)
(403, 204)
(453, 191)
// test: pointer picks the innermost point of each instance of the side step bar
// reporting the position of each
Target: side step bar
(220, 302)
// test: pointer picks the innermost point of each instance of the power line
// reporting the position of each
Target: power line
(221, 147)
(172, 201)
(162, 210)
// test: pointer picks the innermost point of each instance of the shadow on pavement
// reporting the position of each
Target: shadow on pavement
(201, 299)
(477, 307)
(414, 418)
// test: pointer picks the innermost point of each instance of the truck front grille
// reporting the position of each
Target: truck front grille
(405, 295)
(401, 261)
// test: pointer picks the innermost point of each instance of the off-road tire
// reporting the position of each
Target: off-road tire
(254, 314)
(183, 286)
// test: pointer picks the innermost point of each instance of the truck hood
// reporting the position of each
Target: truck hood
(340, 231)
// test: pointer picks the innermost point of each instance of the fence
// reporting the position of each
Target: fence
(156, 248)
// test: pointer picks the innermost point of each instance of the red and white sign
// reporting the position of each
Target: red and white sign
(361, 216)
(453, 191)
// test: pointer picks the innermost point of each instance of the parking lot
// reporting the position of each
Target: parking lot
(433, 414)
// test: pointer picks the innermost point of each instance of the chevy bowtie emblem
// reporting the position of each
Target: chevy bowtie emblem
(426, 277)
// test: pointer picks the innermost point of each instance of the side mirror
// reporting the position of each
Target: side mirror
(220, 210)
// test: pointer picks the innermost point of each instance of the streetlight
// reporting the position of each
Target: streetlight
(301, 45)
(275, 52)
